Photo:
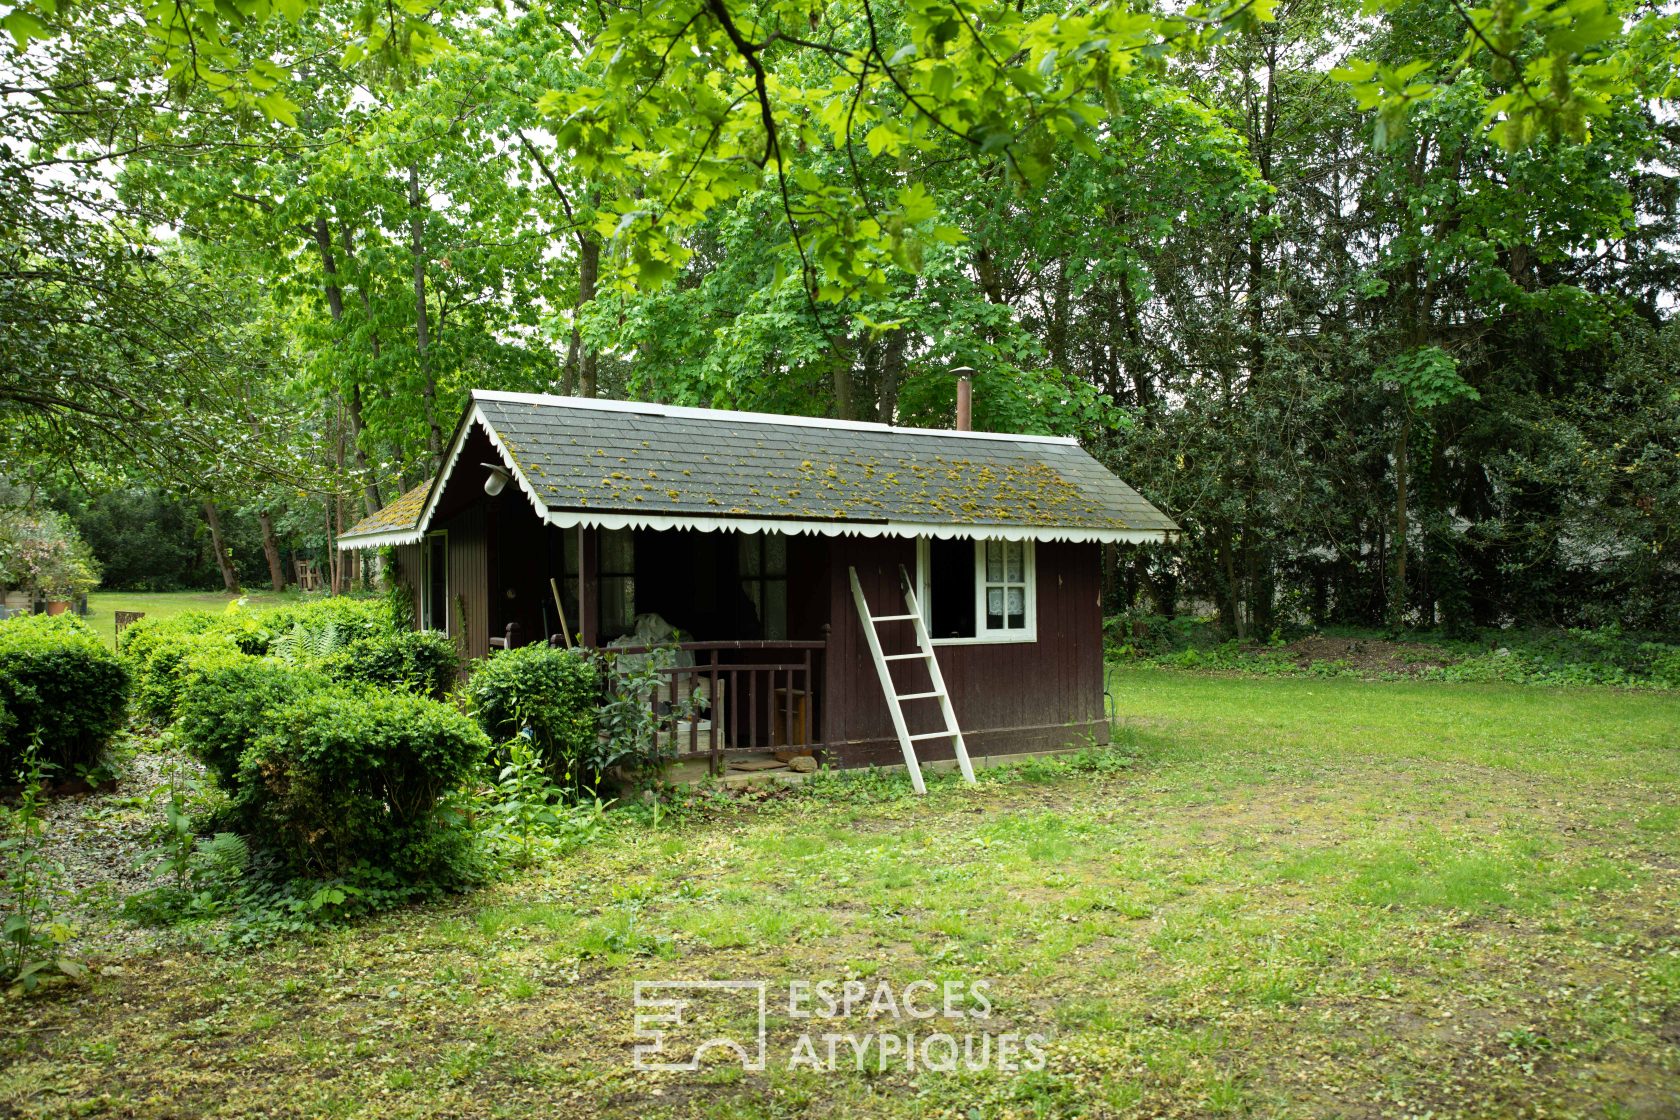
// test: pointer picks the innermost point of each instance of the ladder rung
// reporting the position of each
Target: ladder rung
(920, 695)
(904, 656)
(891, 617)
(932, 735)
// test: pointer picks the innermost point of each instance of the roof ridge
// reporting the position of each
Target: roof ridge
(724, 414)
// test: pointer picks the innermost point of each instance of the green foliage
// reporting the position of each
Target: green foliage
(228, 700)
(148, 539)
(1606, 657)
(424, 662)
(351, 776)
(32, 938)
(41, 552)
(1427, 378)
(630, 722)
(528, 815)
(60, 689)
(323, 625)
(158, 653)
(202, 876)
(552, 692)
(1556, 70)
(162, 651)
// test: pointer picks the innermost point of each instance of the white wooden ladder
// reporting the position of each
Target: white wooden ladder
(896, 699)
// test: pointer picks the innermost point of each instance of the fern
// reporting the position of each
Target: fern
(302, 646)
(223, 857)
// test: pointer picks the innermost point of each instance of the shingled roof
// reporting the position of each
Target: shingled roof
(615, 464)
(401, 516)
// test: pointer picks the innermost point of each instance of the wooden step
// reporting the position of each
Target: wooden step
(932, 735)
(919, 695)
(891, 617)
(906, 656)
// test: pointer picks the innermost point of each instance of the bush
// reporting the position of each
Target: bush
(351, 777)
(157, 652)
(348, 618)
(554, 692)
(228, 700)
(423, 662)
(57, 680)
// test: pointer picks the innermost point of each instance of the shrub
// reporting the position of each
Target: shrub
(158, 650)
(352, 777)
(159, 655)
(228, 700)
(59, 681)
(348, 618)
(1665, 666)
(554, 692)
(420, 661)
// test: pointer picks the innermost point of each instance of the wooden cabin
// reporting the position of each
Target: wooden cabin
(556, 518)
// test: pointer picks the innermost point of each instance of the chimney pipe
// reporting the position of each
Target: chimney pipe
(965, 398)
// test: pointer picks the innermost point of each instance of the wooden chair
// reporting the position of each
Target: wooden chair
(308, 575)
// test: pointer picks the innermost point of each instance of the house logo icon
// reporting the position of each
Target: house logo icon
(679, 1021)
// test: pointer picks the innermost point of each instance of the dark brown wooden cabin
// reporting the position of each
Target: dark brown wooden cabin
(740, 530)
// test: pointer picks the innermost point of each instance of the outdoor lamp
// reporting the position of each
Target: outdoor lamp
(498, 478)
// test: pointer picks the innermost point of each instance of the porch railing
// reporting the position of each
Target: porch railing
(738, 697)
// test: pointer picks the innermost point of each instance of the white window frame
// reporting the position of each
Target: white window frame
(983, 636)
(426, 620)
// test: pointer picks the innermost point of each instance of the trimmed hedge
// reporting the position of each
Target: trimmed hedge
(228, 700)
(353, 618)
(555, 692)
(158, 651)
(424, 662)
(352, 775)
(57, 679)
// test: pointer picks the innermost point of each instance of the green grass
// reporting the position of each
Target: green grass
(103, 605)
(1272, 898)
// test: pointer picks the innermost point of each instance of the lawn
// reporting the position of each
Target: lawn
(103, 605)
(1274, 898)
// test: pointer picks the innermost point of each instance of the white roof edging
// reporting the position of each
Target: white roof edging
(840, 528)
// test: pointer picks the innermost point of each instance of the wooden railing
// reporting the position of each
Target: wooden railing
(739, 697)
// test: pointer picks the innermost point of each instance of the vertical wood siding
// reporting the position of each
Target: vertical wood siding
(1009, 697)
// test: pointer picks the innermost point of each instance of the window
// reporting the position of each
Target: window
(948, 576)
(1004, 586)
(763, 568)
(434, 603)
(978, 591)
(617, 577)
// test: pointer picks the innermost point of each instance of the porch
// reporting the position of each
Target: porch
(748, 612)
(743, 707)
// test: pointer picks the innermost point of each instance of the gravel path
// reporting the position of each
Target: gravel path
(103, 842)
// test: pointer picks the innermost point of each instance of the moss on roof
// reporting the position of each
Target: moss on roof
(404, 513)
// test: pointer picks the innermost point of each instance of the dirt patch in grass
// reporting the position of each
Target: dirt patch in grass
(1368, 655)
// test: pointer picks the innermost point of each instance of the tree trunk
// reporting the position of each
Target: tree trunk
(417, 248)
(1059, 301)
(892, 369)
(271, 551)
(845, 402)
(335, 305)
(230, 578)
(370, 486)
(1398, 606)
(589, 276)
